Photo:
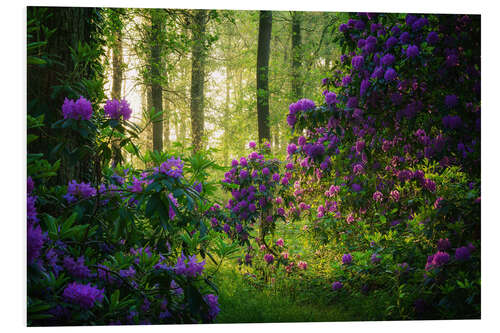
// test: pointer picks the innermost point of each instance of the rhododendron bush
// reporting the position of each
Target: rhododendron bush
(390, 161)
(112, 252)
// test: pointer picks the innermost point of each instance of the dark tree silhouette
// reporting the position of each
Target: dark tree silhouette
(263, 51)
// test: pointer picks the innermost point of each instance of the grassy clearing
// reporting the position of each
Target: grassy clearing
(241, 302)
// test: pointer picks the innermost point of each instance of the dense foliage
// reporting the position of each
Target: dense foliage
(378, 196)
(391, 162)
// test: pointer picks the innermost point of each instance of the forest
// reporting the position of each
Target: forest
(243, 166)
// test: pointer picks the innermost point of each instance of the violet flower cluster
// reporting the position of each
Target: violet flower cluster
(80, 109)
(115, 109)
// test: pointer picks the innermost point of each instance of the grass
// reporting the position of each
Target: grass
(241, 302)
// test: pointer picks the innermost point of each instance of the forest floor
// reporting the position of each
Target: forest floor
(244, 302)
(304, 298)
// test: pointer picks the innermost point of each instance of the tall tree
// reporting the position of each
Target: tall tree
(198, 55)
(115, 39)
(263, 51)
(166, 121)
(297, 83)
(117, 48)
(156, 68)
(66, 32)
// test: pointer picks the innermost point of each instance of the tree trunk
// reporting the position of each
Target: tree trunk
(166, 120)
(226, 137)
(198, 54)
(72, 26)
(297, 85)
(149, 130)
(156, 67)
(263, 50)
(116, 90)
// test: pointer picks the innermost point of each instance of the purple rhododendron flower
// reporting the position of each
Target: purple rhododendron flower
(390, 74)
(172, 167)
(432, 37)
(378, 73)
(337, 285)
(346, 80)
(330, 98)
(412, 51)
(357, 62)
(404, 38)
(79, 110)
(378, 196)
(30, 185)
(347, 259)
(35, 240)
(31, 209)
(213, 305)
(79, 191)
(269, 258)
(388, 59)
(451, 101)
(430, 185)
(462, 253)
(83, 295)
(115, 109)
(394, 195)
(375, 259)
(252, 144)
(198, 186)
(443, 244)
(452, 122)
(437, 260)
(395, 30)
(189, 267)
(365, 84)
(352, 102)
(127, 273)
(357, 169)
(356, 187)
(419, 24)
(276, 177)
(391, 41)
(359, 25)
(76, 269)
(302, 265)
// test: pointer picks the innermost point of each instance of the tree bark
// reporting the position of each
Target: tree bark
(72, 26)
(149, 130)
(156, 77)
(198, 54)
(263, 51)
(166, 121)
(297, 84)
(116, 90)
